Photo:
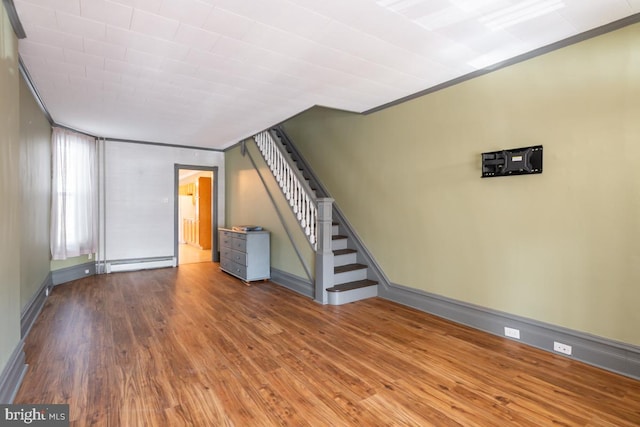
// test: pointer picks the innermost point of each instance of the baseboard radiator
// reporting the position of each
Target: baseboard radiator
(139, 264)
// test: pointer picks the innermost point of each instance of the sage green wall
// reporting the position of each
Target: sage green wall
(35, 183)
(248, 203)
(9, 192)
(59, 264)
(562, 247)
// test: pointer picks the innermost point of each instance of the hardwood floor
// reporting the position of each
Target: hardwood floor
(195, 347)
(188, 254)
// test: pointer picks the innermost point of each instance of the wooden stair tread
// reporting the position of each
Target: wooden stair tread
(344, 252)
(348, 267)
(352, 285)
(338, 237)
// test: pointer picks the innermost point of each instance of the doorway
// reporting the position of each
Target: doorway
(196, 214)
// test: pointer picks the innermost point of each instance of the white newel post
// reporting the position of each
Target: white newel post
(324, 254)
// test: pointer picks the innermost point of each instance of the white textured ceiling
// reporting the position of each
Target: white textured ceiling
(211, 72)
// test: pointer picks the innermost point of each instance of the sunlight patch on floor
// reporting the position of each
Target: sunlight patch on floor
(189, 254)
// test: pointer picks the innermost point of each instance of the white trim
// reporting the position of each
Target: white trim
(139, 264)
(352, 295)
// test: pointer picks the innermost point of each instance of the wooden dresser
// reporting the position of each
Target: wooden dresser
(245, 254)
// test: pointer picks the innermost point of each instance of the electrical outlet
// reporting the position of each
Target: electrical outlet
(512, 333)
(562, 348)
(86, 271)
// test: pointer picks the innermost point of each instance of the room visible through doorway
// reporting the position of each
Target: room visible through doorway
(195, 216)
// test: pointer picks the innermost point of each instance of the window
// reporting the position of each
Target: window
(74, 194)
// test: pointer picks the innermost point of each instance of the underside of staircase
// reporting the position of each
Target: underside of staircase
(353, 280)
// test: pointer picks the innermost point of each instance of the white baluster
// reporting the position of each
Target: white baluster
(302, 204)
(305, 212)
(274, 159)
(283, 171)
(309, 218)
(296, 197)
(289, 188)
(314, 219)
(275, 166)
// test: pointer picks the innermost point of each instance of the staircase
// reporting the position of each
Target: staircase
(350, 282)
(353, 280)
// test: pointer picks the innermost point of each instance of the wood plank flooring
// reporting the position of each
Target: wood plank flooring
(188, 254)
(195, 347)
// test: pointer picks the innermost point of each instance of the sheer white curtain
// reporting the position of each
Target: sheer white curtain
(74, 194)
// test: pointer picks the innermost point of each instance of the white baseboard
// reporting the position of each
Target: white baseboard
(353, 295)
(139, 264)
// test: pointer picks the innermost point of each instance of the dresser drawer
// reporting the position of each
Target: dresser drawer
(234, 268)
(239, 257)
(225, 239)
(239, 244)
(226, 263)
(235, 256)
(226, 252)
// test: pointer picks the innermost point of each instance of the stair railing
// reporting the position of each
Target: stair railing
(313, 213)
(295, 188)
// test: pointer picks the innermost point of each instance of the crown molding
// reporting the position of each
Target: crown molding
(14, 19)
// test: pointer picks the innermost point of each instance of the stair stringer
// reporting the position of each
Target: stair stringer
(374, 272)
